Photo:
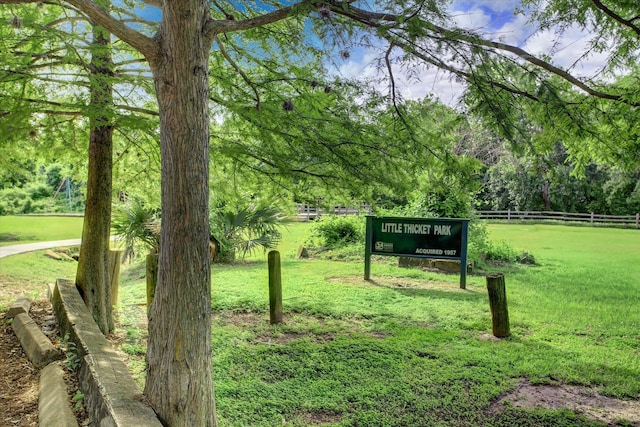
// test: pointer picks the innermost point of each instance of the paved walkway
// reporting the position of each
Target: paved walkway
(30, 247)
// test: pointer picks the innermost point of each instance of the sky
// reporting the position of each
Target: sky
(496, 20)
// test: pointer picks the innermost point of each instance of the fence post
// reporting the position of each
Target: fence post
(638, 220)
(509, 215)
(592, 219)
(498, 305)
(115, 256)
(275, 288)
(152, 278)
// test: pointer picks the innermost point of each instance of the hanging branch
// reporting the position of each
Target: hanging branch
(238, 70)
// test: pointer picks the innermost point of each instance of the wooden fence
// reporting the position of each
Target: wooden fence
(591, 218)
(308, 212)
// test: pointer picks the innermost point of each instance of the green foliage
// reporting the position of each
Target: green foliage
(500, 252)
(134, 349)
(77, 399)
(333, 231)
(33, 188)
(539, 182)
(70, 349)
(137, 224)
(242, 228)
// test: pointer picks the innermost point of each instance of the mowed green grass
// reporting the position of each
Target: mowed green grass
(15, 230)
(410, 348)
(28, 274)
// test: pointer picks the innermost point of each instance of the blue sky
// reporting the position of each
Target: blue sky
(496, 20)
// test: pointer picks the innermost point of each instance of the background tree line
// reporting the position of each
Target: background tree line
(485, 172)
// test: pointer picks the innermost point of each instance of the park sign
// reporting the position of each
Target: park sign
(440, 238)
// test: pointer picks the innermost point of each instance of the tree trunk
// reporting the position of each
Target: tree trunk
(545, 195)
(179, 383)
(92, 276)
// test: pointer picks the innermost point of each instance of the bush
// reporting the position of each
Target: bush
(335, 231)
(502, 252)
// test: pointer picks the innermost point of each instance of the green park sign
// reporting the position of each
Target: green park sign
(440, 238)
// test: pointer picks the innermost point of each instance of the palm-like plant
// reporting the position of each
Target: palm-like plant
(137, 225)
(244, 229)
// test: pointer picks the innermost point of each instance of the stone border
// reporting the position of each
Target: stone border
(112, 398)
(53, 405)
(35, 343)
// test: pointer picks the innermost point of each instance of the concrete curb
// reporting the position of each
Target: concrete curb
(112, 398)
(36, 345)
(21, 305)
(53, 406)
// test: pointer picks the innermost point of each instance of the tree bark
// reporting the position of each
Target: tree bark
(179, 383)
(92, 276)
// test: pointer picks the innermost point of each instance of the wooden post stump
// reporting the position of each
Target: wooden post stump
(498, 304)
(115, 257)
(152, 278)
(275, 288)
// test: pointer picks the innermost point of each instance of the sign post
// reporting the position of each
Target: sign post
(440, 238)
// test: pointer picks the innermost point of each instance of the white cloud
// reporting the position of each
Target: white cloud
(471, 19)
(421, 82)
(514, 32)
(564, 48)
(498, 6)
(567, 50)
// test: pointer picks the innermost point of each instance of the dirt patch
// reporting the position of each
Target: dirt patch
(401, 283)
(317, 418)
(9, 237)
(581, 400)
(313, 328)
(20, 380)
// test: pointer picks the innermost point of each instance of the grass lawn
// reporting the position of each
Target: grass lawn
(408, 348)
(15, 230)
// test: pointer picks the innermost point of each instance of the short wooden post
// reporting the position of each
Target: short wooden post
(115, 257)
(275, 288)
(152, 278)
(498, 304)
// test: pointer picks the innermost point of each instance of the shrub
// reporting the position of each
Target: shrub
(335, 231)
(502, 252)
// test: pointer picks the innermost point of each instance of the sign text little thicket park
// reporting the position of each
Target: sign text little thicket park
(440, 238)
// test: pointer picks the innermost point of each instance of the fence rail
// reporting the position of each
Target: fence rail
(308, 212)
(591, 218)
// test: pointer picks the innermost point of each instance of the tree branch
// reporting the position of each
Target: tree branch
(215, 27)
(238, 70)
(376, 20)
(145, 45)
(610, 13)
